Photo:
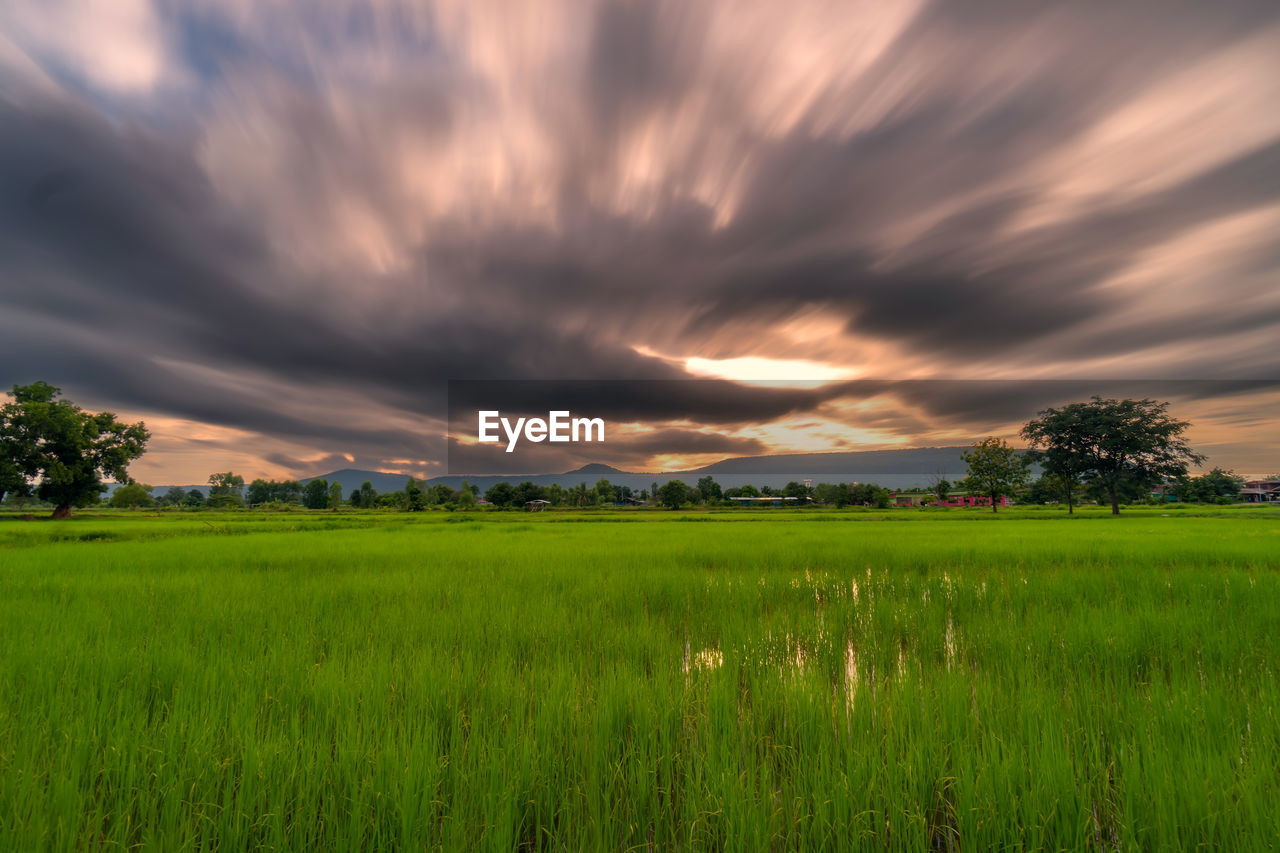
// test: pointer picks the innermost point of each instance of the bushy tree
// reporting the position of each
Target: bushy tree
(315, 494)
(1112, 444)
(415, 500)
(132, 496)
(259, 492)
(941, 489)
(194, 498)
(63, 448)
(274, 491)
(12, 481)
(500, 494)
(709, 490)
(1053, 488)
(673, 494)
(995, 470)
(1217, 486)
(366, 497)
(528, 491)
(174, 497)
(393, 500)
(868, 494)
(831, 494)
(335, 495)
(795, 490)
(605, 492)
(225, 490)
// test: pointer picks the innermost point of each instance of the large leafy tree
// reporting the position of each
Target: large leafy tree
(709, 490)
(315, 494)
(673, 494)
(995, 470)
(62, 450)
(501, 494)
(1112, 444)
(226, 489)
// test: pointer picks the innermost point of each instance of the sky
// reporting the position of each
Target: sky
(276, 230)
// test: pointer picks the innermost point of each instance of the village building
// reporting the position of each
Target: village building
(1260, 491)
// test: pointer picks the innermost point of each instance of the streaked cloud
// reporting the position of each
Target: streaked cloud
(291, 223)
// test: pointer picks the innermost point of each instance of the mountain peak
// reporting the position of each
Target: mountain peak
(595, 468)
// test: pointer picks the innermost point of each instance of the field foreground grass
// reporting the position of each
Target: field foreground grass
(781, 682)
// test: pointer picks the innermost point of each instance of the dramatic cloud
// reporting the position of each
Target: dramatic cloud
(276, 230)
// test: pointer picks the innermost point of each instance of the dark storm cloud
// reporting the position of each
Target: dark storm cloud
(332, 221)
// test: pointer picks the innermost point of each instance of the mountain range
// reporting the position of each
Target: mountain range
(895, 469)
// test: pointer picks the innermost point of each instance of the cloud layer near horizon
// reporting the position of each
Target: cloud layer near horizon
(276, 229)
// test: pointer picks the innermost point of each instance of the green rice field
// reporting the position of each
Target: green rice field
(746, 680)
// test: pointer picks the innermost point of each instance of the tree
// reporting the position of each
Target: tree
(941, 489)
(415, 500)
(315, 494)
(1216, 486)
(995, 470)
(367, 496)
(1053, 488)
(224, 490)
(12, 480)
(868, 494)
(673, 494)
(1112, 443)
(335, 495)
(287, 491)
(393, 500)
(501, 494)
(63, 448)
(831, 493)
(709, 490)
(528, 491)
(605, 492)
(132, 496)
(795, 490)
(274, 491)
(259, 492)
(194, 498)
(174, 497)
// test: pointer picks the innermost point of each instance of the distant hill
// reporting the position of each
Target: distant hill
(354, 478)
(896, 469)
